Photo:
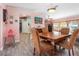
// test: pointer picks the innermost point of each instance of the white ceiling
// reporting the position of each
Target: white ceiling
(63, 9)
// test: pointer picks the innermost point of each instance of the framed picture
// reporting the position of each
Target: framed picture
(16, 20)
(38, 20)
(11, 22)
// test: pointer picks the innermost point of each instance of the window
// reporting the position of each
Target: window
(56, 26)
(73, 25)
(63, 24)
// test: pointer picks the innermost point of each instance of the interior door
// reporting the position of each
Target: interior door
(26, 24)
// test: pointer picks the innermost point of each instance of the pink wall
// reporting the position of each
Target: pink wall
(1, 27)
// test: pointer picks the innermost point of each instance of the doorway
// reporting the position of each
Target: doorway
(25, 24)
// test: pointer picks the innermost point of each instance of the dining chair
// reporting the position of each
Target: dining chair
(64, 31)
(68, 44)
(45, 30)
(40, 47)
(39, 30)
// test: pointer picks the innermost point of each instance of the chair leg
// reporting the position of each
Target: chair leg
(34, 52)
(59, 47)
(72, 51)
(69, 52)
(40, 54)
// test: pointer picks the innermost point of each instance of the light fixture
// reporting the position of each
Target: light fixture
(51, 10)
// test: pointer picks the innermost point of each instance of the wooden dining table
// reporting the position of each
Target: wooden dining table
(54, 37)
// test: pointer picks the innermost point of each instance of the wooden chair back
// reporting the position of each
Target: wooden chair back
(36, 42)
(73, 38)
(64, 31)
(45, 30)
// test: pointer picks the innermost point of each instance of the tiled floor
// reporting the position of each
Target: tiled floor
(24, 48)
